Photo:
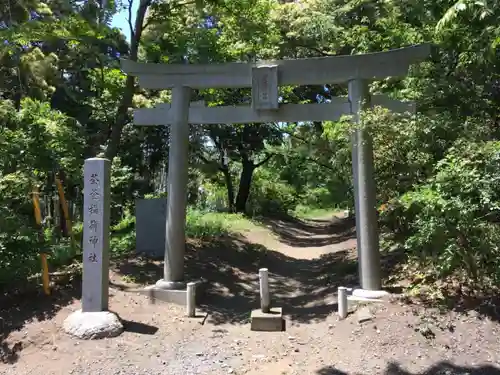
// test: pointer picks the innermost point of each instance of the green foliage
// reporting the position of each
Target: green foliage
(122, 241)
(307, 212)
(213, 198)
(199, 225)
(34, 142)
(270, 195)
(318, 197)
(121, 189)
(407, 147)
(451, 221)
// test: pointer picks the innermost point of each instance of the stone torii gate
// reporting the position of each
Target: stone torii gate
(264, 78)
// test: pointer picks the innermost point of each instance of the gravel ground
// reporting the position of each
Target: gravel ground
(386, 338)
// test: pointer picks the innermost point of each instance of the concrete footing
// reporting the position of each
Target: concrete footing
(269, 322)
(370, 295)
(93, 325)
(170, 285)
(177, 295)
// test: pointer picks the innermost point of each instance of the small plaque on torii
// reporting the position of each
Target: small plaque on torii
(265, 87)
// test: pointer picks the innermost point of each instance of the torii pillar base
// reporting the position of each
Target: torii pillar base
(177, 296)
(369, 295)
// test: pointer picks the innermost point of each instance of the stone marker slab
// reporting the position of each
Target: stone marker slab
(150, 226)
(96, 222)
(93, 325)
(268, 322)
(94, 321)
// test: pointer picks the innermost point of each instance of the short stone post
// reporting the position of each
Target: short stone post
(266, 318)
(342, 302)
(265, 302)
(191, 300)
(94, 320)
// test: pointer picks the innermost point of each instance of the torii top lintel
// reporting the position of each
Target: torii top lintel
(311, 71)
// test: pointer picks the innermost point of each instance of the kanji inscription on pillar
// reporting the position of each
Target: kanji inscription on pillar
(96, 218)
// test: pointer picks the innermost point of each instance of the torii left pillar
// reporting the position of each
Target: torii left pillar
(177, 179)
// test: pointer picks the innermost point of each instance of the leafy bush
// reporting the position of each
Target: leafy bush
(122, 240)
(19, 247)
(122, 190)
(308, 212)
(451, 222)
(213, 198)
(320, 197)
(33, 142)
(269, 195)
(200, 224)
(407, 148)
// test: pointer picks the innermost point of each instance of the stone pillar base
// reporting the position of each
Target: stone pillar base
(170, 285)
(173, 292)
(93, 325)
(369, 295)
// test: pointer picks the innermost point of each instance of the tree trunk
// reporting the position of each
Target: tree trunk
(230, 188)
(129, 89)
(245, 183)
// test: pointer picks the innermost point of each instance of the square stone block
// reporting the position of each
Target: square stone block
(269, 322)
(179, 297)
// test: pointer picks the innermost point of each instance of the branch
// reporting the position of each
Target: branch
(310, 158)
(216, 142)
(323, 53)
(319, 163)
(135, 37)
(129, 19)
(206, 161)
(316, 49)
(266, 159)
(178, 5)
(242, 154)
(147, 23)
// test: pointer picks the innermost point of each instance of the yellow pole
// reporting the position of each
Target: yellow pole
(43, 256)
(36, 205)
(45, 274)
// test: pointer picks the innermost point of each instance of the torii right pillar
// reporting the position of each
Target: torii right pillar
(364, 195)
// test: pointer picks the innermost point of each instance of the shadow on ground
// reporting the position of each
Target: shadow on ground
(311, 233)
(18, 307)
(438, 369)
(137, 327)
(306, 289)
(485, 304)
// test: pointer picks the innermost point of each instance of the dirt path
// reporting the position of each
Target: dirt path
(307, 261)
